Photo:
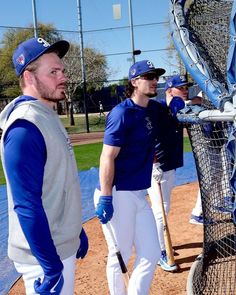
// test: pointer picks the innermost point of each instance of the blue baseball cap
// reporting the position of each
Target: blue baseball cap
(142, 67)
(33, 48)
(177, 81)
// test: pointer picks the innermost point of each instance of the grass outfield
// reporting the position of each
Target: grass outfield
(87, 156)
(95, 122)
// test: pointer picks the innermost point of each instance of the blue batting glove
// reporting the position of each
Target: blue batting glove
(104, 209)
(50, 285)
(84, 245)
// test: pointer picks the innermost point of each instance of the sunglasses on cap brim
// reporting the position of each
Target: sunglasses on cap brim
(148, 76)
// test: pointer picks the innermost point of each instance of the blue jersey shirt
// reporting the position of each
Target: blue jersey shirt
(169, 147)
(134, 129)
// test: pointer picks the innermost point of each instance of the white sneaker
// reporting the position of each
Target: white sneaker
(226, 207)
(164, 265)
(196, 219)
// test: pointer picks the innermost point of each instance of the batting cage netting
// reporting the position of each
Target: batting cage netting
(204, 36)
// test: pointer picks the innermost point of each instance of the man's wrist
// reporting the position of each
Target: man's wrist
(106, 197)
(156, 165)
(188, 102)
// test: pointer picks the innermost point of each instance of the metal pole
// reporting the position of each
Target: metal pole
(131, 30)
(35, 19)
(83, 74)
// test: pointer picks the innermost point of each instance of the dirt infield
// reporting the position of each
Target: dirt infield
(84, 138)
(186, 239)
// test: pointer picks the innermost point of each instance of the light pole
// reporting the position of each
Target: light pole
(117, 15)
(34, 19)
(131, 30)
(83, 74)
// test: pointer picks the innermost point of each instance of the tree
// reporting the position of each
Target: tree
(95, 69)
(173, 54)
(11, 39)
(95, 63)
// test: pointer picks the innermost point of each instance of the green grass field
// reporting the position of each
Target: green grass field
(87, 156)
(94, 121)
(187, 145)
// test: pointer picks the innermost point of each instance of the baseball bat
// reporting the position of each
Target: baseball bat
(123, 267)
(167, 238)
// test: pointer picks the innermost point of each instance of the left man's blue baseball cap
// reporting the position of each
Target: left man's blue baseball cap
(33, 48)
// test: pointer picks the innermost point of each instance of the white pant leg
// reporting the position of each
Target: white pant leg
(31, 272)
(197, 210)
(133, 224)
(147, 249)
(114, 276)
(167, 184)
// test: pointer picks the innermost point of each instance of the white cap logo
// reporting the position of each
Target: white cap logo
(150, 64)
(44, 42)
(133, 72)
(182, 78)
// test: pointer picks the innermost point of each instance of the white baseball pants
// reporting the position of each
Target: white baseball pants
(31, 272)
(133, 225)
(197, 210)
(167, 184)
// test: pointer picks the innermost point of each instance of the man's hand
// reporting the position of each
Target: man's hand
(50, 285)
(157, 172)
(196, 100)
(104, 209)
(84, 245)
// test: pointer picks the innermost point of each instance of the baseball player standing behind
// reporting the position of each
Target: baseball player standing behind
(169, 155)
(125, 174)
(44, 200)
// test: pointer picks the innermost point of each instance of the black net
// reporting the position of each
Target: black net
(215, 272)
(208, 22)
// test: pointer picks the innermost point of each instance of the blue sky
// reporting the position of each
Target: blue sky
(150, 38)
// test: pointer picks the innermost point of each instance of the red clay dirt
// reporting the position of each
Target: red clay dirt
(186, 239)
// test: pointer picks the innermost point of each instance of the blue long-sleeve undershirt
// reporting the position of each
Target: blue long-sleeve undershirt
(25, 157)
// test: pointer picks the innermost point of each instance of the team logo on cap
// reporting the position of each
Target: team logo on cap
(182, 78)
(44, 42)
(150, 64)
(133, 72)
(21, 59)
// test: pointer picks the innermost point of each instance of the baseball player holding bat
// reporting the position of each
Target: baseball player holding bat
(169, 157)
(125, 174)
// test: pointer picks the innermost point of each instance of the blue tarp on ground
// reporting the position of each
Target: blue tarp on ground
(187, 173)
(7, 271)
(88, 182)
